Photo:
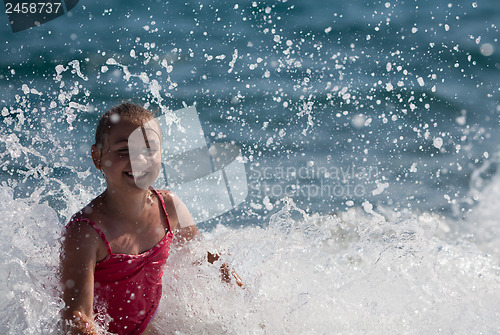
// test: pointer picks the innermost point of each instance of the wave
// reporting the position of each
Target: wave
(359, 271)
(354, 272)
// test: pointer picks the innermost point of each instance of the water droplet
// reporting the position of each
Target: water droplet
(437, 142)
(487, 49)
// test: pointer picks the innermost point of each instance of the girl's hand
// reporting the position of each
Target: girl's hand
(82, 325)
(226, 272)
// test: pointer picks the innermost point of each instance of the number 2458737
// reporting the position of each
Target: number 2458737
(33, 7)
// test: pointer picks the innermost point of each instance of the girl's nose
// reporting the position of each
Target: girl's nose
(140, 160)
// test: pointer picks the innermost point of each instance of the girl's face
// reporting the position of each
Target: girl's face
(131, 155)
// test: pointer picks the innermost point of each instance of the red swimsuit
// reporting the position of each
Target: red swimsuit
(128, 287)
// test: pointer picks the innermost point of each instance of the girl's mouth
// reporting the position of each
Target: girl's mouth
(136, 174)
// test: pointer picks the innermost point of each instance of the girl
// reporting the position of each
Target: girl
(114, 249)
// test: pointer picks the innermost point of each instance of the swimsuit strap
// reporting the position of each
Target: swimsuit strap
(99, 231)
(163, 206)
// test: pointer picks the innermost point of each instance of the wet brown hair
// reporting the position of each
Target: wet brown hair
(126, 111)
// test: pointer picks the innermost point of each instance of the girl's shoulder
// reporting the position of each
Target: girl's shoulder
(81, 221)
(87, 213)
(169, 200)
(167, 197)
(82, 231)
(88, 219)
(177, 211)
(164, 193)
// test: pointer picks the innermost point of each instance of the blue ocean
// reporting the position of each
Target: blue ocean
(368, 138)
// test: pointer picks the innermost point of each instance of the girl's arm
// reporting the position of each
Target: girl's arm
(78, 259)
(180, 219)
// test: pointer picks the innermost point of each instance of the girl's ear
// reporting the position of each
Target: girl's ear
(96, 156)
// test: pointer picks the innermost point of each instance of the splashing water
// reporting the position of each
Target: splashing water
(348, 273)
(29, 260)
(356, 272)
(363, 86)
(360, 271)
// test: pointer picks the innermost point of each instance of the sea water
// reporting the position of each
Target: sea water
(370, 138)
(349, 273)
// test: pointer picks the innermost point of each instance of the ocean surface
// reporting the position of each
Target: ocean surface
(369, 133)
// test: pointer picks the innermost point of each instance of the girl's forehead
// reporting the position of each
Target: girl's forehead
(125, 129)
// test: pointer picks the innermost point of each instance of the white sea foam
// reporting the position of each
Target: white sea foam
(482, 221)
(28, 258)
(353, 273)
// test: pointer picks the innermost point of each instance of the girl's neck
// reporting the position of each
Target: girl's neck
(130, 206)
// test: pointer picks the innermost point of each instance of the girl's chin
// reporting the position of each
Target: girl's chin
(144, 181)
